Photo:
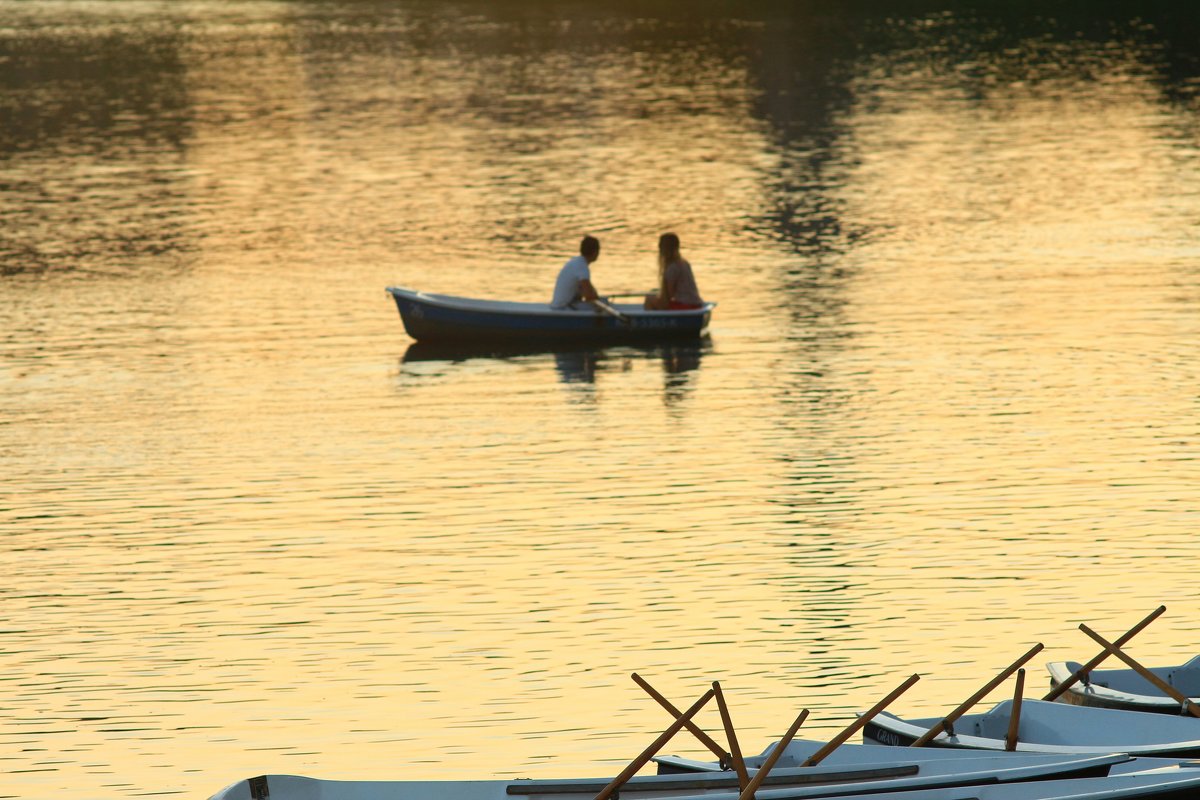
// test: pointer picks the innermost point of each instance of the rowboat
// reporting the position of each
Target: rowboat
(1169, 783)
(1045, 727)
(895, 773)
(445, 318)
(1126, 689)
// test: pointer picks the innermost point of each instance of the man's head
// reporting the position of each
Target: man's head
(589, 248)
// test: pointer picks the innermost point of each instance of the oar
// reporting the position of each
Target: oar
(1095, 662)
(735, 750)
(1014, 719)
(947, 723)
(704, 738)
(768, 765)
(654, 747)
(612, 312)
(859, 723)
(1167, 688)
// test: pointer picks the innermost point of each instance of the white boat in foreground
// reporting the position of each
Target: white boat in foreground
(1052, 728)
(1125, 689)
(891, 771)
(1163, 784)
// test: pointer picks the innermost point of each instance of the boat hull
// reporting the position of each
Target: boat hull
(1051, 728)
(1165, 784)
(884, 770)
(444, 318)
(1125, 689)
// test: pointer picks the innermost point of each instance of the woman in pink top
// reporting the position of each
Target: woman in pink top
(676, 284)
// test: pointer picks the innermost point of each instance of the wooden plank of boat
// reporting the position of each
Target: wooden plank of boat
(1125, 689)
(863, 755)
(437, 317)
(708, 781)
(1047, 727)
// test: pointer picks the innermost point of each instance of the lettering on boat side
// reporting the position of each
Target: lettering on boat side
(885, 737)
(258, 788)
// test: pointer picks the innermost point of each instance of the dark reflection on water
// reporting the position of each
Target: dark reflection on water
(574, 364)
(94, 116)
(111, 94)
(982, 47)
(90, 88)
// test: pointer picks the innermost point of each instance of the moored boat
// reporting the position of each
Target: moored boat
(891, 771)
(1047, 727)
(431, 317)
(1172, 783)
(1126, 689)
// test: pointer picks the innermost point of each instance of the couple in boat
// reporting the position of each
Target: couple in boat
(676, 284)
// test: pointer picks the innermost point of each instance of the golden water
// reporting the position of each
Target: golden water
(948, 407)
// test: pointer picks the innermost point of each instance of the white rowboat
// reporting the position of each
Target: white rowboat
(1046, 727)
(1172, 784)
(891, 771)
(1127, 690)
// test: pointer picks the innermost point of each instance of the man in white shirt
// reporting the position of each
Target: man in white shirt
(575, 279)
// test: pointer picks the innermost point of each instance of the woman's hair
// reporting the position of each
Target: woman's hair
(668, 248)
(668, 252)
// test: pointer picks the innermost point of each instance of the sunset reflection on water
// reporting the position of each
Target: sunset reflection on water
(946, 408)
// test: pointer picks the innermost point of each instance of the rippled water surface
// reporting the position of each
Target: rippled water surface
(947, 408)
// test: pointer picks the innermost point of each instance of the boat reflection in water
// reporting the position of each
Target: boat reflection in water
(576, 364)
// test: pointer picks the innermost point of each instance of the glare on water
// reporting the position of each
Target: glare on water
(946, 408)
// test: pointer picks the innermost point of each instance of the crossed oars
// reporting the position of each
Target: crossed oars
(1110, 648)
(946, 724)
(747, 785)
(1114, 649)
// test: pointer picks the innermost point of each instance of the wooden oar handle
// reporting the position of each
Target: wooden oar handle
(735, 750)
(950, 718)
(1095, 662)
(704, 738)
(765, 769)
(654, 747)
(1014, 718)
(859, 723)
(600, 305)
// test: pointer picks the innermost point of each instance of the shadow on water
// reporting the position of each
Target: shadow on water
(578, 366)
